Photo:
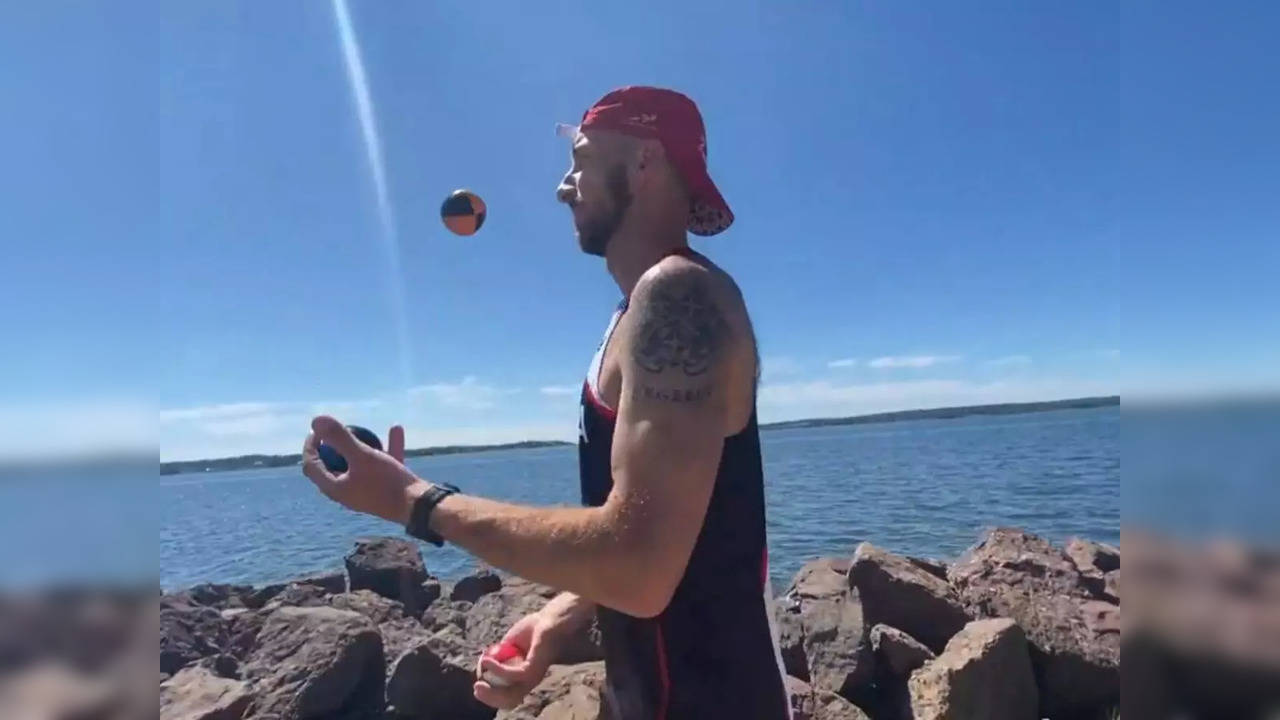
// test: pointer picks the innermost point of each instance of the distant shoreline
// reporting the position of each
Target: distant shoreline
(952, 413)
(251, 462)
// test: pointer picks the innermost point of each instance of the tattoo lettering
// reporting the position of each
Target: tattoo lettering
(674, 395)
(681, 328)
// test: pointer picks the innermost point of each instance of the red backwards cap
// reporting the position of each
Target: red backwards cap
(674, 120)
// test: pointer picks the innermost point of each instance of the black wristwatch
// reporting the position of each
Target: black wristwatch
(420, 514)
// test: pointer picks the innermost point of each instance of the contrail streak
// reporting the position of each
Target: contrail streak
(373, 150)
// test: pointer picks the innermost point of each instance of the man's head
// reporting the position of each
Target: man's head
(639, 160)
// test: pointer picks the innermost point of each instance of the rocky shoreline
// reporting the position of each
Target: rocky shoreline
(1015, 628)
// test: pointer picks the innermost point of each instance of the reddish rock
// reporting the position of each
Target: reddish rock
(833, 632)
(896, 592)
(197, 694)
(189, 632)
(984, 672)
(897, 652)
(1075, 649)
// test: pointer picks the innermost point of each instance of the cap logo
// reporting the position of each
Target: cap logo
(644, 119)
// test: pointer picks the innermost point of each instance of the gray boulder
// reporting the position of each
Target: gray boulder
(189, 632)
(434, 679)
(315, 662)
(569, 692)
(475, 586)
(390, 567)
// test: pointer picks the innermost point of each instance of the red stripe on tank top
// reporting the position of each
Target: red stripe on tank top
(663, 676)
(600, 407)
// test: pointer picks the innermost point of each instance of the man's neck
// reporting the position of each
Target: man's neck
(632, 252)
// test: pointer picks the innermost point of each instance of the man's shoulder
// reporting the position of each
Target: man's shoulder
(690, 307)
(684, 274)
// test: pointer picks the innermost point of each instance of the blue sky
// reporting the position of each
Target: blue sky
(936, 205)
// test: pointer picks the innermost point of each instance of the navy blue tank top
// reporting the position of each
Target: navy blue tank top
(713, 652)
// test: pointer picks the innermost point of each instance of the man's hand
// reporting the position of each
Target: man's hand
(375, 482)
(537, 637)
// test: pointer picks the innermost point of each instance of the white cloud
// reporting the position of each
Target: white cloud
(469, 394)
(911, 361)
(1010, 361)
(214, 412)
(560, 390)
(254, 425)
(843, 363)
(420, 437)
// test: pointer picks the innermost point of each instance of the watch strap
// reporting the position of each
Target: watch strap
(420, 515)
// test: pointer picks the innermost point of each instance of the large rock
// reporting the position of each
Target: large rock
(197, 694)
(984, 672)
(1111, 587)
(1089, 554)
(295, 595)
(242, 632)
(332, 582)
(431, 591)
(390, 567)
(445, 613)
(896, 592)
(188, 632)
(434, 679)
(936, 568)
(897, 652)
(369, 604)
(315, 662)
(835, 643)
(810, 704)
(800, 696)
(1095, 561)
(475, 586)
(791, 639)
(1075, 640)
(219, 595)
(569, 692)
(399, 631)
(1013, 558)
(488, 620)
(223, 666)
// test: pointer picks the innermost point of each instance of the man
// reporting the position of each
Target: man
(668, 552)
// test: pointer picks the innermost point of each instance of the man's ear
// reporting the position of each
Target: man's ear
(649, 158)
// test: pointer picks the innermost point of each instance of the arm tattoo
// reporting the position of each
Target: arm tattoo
(680, 327)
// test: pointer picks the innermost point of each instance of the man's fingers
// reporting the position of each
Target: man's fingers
(512, 672)
(336, 434)
(313, 467)
(395, 443)
(499, 698)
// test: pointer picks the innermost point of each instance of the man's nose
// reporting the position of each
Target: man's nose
(566, 192)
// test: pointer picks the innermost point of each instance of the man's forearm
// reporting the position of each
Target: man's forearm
(568, 613)
(585, 551)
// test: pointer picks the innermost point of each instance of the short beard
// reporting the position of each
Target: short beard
(594, 237)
